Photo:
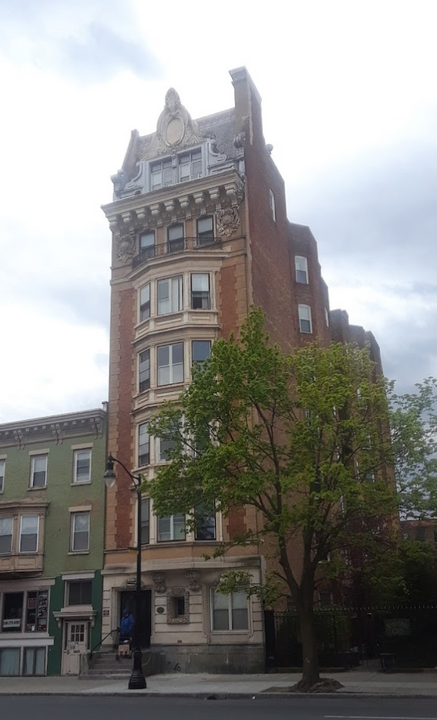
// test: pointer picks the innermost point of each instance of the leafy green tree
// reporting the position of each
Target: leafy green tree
(304, 439)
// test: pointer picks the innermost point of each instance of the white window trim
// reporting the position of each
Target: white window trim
(172, 537)
(171, 364)
(33, 457)
(149, 285)
(11, 551)
(298, 269)
(180, 295)
(72, 516)
(75, 456)
(229, 630)
(144, 422)
(28, 552)
(306, 319)
(272, 204)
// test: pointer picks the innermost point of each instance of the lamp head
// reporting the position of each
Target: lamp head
(109, 476)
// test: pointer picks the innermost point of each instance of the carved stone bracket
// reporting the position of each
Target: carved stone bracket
(159, 582)
(131, 583)
(193, 577)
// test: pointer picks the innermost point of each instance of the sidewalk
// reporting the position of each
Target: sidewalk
(221, 686)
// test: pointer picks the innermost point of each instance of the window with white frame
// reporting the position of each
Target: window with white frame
(175, 238)
(200, 351)
(171, 527)
(82, 466)
(143, 445)
(272, 204)
(2, 475)
(80, 531)
(229, 612)
(305, 324)
(145, 302)
(29, 525)
(147, 244)
(205, 230)
(170, 295)
(170, 364)
(38, 471)
(164, 446)
(301, 264)
(190, 165)
(6, 530)
(144, 371)
(200, 291)
(327, 317)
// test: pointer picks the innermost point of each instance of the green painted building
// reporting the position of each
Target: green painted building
(51, 541)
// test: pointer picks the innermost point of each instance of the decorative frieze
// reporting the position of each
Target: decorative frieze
(125, 245)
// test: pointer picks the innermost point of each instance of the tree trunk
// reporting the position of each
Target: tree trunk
(310, 659)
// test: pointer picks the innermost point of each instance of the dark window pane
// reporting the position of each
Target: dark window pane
(201, 350)
(80, 592)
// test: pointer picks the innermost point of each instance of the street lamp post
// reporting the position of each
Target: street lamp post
(137, 681)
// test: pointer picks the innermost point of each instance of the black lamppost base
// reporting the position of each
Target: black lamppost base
(137, 681)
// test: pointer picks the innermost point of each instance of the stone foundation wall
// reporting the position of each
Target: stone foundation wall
(211, 658)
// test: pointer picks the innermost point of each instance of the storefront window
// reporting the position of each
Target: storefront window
(13, 612)
(10, 661)
(34, 661)
(36, 613)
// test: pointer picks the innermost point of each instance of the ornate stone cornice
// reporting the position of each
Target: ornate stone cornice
(53, 429)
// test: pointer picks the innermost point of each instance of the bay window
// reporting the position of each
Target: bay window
(200, 291)
(170, 295)
(170, 364)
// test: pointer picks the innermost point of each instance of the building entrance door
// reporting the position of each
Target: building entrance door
(127, 602)
(75, 644)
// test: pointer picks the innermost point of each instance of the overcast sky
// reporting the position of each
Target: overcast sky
(350, 105)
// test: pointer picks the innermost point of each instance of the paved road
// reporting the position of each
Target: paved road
(148, 708)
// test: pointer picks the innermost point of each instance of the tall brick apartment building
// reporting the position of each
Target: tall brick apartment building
(200, 233)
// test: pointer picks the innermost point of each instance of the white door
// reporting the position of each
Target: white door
(76, 643)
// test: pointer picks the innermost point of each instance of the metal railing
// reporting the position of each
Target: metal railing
(116, 630)
(175, 246)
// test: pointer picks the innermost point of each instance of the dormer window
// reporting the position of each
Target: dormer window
(161, 174)
(190, 165)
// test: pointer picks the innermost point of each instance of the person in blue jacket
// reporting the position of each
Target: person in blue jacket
(127, 624)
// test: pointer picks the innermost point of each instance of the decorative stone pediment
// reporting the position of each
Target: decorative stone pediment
(175, 129)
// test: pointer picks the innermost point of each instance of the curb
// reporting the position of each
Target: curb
(220, 695)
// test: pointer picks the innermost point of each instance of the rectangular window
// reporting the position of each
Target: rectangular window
(200, 292)
(6, 529)
(190, 165)
(327, 317)
(170, 364)
(143, 445)
(161, 174)
(205, 230)
(145, 521)
(34, 661)
(38, 473)
(13, 612)
(144, 371)
(145, 302)
(171, 527)
(2, 475)
(80, 531)
(301, 264)
(29, 525)
(201, 350)
(82, 466)
(229, 612)
(305, 324)
(175, 238)
(164, 446)
(170, 295)
(147, 245)
(79, 592)
(272, 204)
(204, 522)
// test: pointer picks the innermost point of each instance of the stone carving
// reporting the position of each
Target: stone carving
(175, 129)
(172, 617)
(228, 220)
(125, 246)
(131, 583)
(193, 577)
(119, 181)
(159, 582)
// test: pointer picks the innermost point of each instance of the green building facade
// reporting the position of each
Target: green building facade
(52, 498)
